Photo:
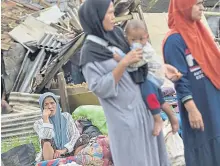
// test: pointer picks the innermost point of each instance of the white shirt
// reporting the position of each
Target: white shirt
(46, 131)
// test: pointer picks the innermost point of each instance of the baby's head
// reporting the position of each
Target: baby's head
(136, 32)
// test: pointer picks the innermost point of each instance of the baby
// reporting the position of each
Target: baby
(137, 37)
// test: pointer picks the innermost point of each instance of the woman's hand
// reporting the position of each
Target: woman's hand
(132, 57)
(195, 120)
(195, 117)
(46, 115)
(58, 153)
(172, 73)
(117, 57)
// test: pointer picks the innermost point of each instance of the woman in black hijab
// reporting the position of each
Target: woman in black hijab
(129, 123)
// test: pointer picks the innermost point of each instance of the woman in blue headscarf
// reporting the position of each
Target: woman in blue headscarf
(56, 130)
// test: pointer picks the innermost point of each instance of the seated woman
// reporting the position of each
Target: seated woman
(57, 131)
(94, 152)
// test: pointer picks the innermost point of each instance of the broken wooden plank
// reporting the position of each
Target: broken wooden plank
(44, 3)
(5, 47)
(26, 5)
(141, 15)
(123, 18)
(11, 17)
(86, 98)
(63, 92)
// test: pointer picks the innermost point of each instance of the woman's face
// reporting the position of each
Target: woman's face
(109, 19)
(50, 104)
(197, 10)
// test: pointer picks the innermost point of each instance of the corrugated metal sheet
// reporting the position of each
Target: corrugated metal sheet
(25, 99)
(18, 124)
(30, 30)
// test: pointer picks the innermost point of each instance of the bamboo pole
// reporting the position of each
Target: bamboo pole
(212, 13)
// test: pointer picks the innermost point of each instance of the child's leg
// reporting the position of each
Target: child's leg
(158, 124)
(149, 91)
(171, 115)
(164, 105)
(167, 109)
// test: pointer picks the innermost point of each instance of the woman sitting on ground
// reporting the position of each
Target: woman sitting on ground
(57, 131)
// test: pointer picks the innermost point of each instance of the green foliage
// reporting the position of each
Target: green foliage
(16, 141)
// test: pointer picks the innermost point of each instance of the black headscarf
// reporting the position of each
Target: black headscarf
(91, 15)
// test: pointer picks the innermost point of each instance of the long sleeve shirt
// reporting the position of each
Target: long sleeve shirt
(46, 131)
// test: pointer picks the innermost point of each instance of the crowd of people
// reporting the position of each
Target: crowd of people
(121, 70)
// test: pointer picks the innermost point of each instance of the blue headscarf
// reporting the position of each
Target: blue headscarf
(59, 122)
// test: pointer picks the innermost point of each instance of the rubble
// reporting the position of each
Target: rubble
(49, 43)
(10, 18)
(48, 46)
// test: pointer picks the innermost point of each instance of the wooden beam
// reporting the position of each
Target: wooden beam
(63, 92)
(26, 5)
(123, 18)
(141, 15)
(134, 5)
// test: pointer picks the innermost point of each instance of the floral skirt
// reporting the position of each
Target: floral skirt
(96, 153)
